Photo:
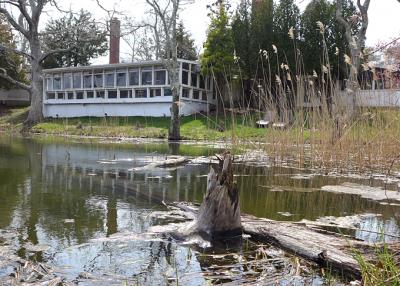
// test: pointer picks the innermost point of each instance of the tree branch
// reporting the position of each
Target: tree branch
(58, 51)
(22, 9)
(4, 75)
(342, 21)
(14, 23)
(15, 51)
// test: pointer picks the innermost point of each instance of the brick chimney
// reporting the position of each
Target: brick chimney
(115, 33)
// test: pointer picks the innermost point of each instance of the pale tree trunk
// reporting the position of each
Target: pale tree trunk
(356, 43)
(168, 18)
(174, 130)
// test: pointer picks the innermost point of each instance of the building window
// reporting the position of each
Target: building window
(185, 77)
(110, 78)
(57, 82)
(67, 81)
(194, 79)
(60, 95)
(89, 94)
(125, 93)
(167, 92)
(155, 92)
(140, 93)
(133, 77)
(99, 93)
(196, 94)
(98, 80)
(160, 77)
(112, 94)
(77, 80)
(79, 95)
(70, 95)
(147, 77)
(202, 82)
(185, 92)
(185, 66)
(121, 78)
(204, 96)
(49, 83)
(87, 80)
(51, 95)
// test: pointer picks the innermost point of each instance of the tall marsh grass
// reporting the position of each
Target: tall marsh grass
(324, 127)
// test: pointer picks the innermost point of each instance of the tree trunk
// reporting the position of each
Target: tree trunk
(219, 214)
(174, 129)
(35, 113)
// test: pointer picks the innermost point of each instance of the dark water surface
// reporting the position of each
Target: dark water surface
(84, 207)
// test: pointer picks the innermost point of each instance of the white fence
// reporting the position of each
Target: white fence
(14, 96)
(374, 98)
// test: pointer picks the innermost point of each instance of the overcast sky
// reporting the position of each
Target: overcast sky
(384, 16)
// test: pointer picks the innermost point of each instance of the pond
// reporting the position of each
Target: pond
(85, 209)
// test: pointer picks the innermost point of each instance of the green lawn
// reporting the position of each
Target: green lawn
(11, 119)
(192, 127)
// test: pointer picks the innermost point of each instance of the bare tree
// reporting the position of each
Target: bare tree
(167, 16)
(143, 38)
(356, 40)
(27, 24)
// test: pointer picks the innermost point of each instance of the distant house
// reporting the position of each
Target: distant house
(127, 89)
(124, 89)
(380, 77)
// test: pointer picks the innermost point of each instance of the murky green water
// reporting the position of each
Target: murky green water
(62, 201)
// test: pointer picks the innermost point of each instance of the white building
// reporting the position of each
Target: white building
(124, 89)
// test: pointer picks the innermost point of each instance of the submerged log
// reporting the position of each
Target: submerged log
(172, 161)
(327, 249)
(219, 214)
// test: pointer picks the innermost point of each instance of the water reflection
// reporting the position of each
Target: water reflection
(68, 197)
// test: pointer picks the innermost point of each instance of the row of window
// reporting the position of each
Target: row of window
(125, 93)
(119, 78)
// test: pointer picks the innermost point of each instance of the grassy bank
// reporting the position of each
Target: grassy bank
(11, 119)
(192, 127)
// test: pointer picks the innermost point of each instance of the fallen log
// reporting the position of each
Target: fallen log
(170, 162)
(330, 250)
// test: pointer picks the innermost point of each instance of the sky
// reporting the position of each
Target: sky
(384, 17)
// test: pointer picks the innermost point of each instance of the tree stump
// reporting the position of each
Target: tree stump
(219, 214)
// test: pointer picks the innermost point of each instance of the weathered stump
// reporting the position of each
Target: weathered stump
(219, 214)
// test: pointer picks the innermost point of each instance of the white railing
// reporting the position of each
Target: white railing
(375, 98)
(14, 95)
